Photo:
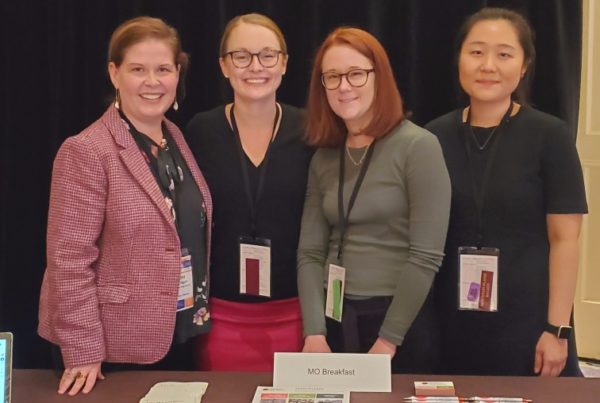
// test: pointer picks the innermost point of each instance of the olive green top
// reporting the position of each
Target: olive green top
(396, 232)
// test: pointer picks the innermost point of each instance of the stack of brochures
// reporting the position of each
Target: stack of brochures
(176, 392)
(267, 394)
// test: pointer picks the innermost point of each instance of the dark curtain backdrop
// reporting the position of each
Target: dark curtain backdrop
(54, 84)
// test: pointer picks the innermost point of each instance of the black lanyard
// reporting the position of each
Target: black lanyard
(343, 219)
(479, 197)
(253, 203)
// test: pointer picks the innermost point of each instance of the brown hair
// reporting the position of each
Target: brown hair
(254, 19)
(139, 29)
(526, 40)
(324, 127)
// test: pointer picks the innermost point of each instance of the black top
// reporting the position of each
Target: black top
(191, 228)
(535, 172)
(279, 210)
(190, 213)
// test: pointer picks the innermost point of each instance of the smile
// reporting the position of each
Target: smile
(487, 82)
(347, 100)
(256, 80)
(151, 97)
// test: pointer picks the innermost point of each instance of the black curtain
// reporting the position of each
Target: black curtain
(54, 84)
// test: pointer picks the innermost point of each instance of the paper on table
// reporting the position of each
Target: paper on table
(175, 392)
(457, 399)
(288, 395)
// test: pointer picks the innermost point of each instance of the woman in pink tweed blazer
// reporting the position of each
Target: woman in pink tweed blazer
(130, 214)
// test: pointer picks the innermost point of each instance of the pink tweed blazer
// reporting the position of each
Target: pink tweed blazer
(113, 254)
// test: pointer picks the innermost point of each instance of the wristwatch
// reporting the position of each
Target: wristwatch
(562, 332)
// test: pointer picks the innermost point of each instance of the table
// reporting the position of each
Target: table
(39, 386)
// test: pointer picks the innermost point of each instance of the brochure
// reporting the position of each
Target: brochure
(175, 392)
(267, 394)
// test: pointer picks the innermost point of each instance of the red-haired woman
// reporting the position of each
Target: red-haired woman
(375, 215)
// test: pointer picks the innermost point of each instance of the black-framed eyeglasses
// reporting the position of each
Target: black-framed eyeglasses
(355, 77)
(266, 57)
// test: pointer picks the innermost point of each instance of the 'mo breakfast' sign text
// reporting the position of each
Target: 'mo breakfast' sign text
(353, 372)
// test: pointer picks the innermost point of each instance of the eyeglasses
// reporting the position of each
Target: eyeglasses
(266, 57)
(355, 77)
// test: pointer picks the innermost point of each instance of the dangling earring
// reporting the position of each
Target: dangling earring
(175, 106)
(117, 99)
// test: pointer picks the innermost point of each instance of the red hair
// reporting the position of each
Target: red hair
(324, 127)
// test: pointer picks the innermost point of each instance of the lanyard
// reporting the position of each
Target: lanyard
(479, 197)
(343, 219)
(253, 203)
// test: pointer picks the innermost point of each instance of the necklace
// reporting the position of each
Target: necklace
(505, 119)
(485, 143)
(362, 158)
(163, 144)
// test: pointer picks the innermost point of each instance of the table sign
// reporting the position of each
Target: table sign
(340, 371)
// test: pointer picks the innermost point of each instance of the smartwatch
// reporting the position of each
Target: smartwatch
(562, 332)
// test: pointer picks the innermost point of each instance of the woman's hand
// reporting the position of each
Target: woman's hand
(316, 344)
(382, 346)
(550, 355)
(78, 377)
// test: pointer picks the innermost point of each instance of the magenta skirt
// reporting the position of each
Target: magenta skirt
(244, 336)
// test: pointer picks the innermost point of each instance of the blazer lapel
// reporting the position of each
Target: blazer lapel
(135, 162)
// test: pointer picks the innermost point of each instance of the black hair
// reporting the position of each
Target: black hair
(526, 39)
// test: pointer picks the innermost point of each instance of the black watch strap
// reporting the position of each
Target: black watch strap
(562, 332)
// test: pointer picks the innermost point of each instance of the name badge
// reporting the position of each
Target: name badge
(340, 371)
(255, 266)
(335, 292)
(478, 278)
(185, 296)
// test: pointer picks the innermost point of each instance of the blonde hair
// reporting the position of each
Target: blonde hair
(254, 19)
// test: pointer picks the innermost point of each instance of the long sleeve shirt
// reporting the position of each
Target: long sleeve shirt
(396, 231)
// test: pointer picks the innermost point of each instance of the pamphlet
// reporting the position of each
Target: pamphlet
(434, 388)
(267, 394)
(176, 392)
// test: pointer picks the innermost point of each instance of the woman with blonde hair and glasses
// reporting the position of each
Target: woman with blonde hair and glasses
(255, 161)
(375, 215)
(129, 224)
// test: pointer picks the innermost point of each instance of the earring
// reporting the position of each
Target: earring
(175, 106)
(117, 99)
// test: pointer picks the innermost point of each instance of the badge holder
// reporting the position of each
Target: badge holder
(478, 279)
(334, 303)
(185, 297)
(255, 266)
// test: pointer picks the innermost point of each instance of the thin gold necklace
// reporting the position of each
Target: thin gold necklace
(485, 143)
(362, 158)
